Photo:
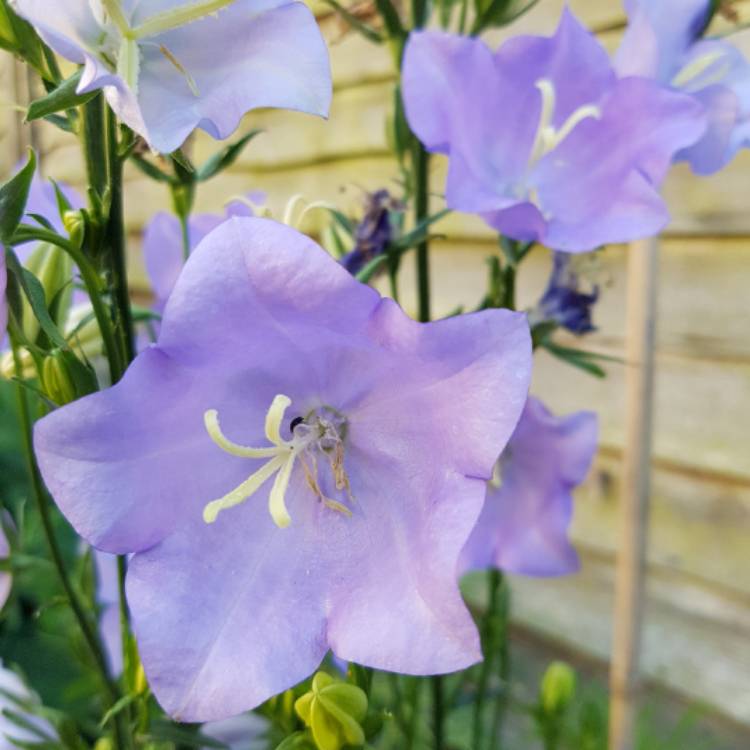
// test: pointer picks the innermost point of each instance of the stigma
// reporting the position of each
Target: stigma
(320, 434)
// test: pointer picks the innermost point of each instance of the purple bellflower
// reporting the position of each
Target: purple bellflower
(524, 524)
(170, 66)
(375, 437)
(545, 143)
(662, 42)
(374, 233)
(563, 300)
(163, 250)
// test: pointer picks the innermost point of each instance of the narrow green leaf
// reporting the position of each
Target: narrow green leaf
(224, 158)
(35, 294)
(13, 196)
(64, 97)
(354, 22)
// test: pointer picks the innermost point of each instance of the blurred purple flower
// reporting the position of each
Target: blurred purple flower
(523, 527)
(168, 67)
(163, 251)
(662, 42)
(544, 141)
(13, 692)
(379, 450)
(374, 233)
(563, 301)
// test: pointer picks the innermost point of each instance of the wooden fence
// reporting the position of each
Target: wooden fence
(697, 616)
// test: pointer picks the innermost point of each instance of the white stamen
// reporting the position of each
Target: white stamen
(281, 454)
(700, 65)
(548, 137)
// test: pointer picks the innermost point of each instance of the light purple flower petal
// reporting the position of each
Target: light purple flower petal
(206, 74)
(657, 35)
(251, 609)
(524, 523)
(544, 142)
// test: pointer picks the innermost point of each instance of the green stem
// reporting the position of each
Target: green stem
(509, 287)
(494, 580)
(421, 163)
(438, 717)
(501, 702)
(94, 145)
(89, 633)
(115, 242)
(415, 700)
(185, 233)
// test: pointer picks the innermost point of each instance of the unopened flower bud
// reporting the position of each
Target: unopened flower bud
(53, 267)
(65, 378)
(75, 225)
(334, 711)
(558, 687)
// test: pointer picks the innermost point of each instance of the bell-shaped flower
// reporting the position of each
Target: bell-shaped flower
(662, 41)
(524, 523)
(291, 458)
(544, 141)
(170, 66)
(564, 301)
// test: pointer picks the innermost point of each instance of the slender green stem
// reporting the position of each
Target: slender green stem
(88, 631)
(421, 164)
(509, 287)
(503, 653)
(115, 241)
(494, 580)
(185, 233)
(415, 699)
(94, 144)
(438, 712)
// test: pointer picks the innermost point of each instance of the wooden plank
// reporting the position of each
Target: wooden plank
(701, 657)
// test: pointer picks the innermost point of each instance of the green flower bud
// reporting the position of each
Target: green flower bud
(104, 743)
(53, 267)
(65, 378)
(75, 225)
(558, 687)
(334, 711)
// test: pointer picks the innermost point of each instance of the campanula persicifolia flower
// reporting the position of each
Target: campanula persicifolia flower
(564, 301)
(170, 66)
(524, 524)
(544, 141)
(374, 233)
(662, 41)
(292, 456)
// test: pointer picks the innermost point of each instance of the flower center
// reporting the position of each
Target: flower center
(319, 434)
(548, 137)
(128, 55)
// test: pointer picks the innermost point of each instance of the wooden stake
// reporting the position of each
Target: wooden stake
(634, 503)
